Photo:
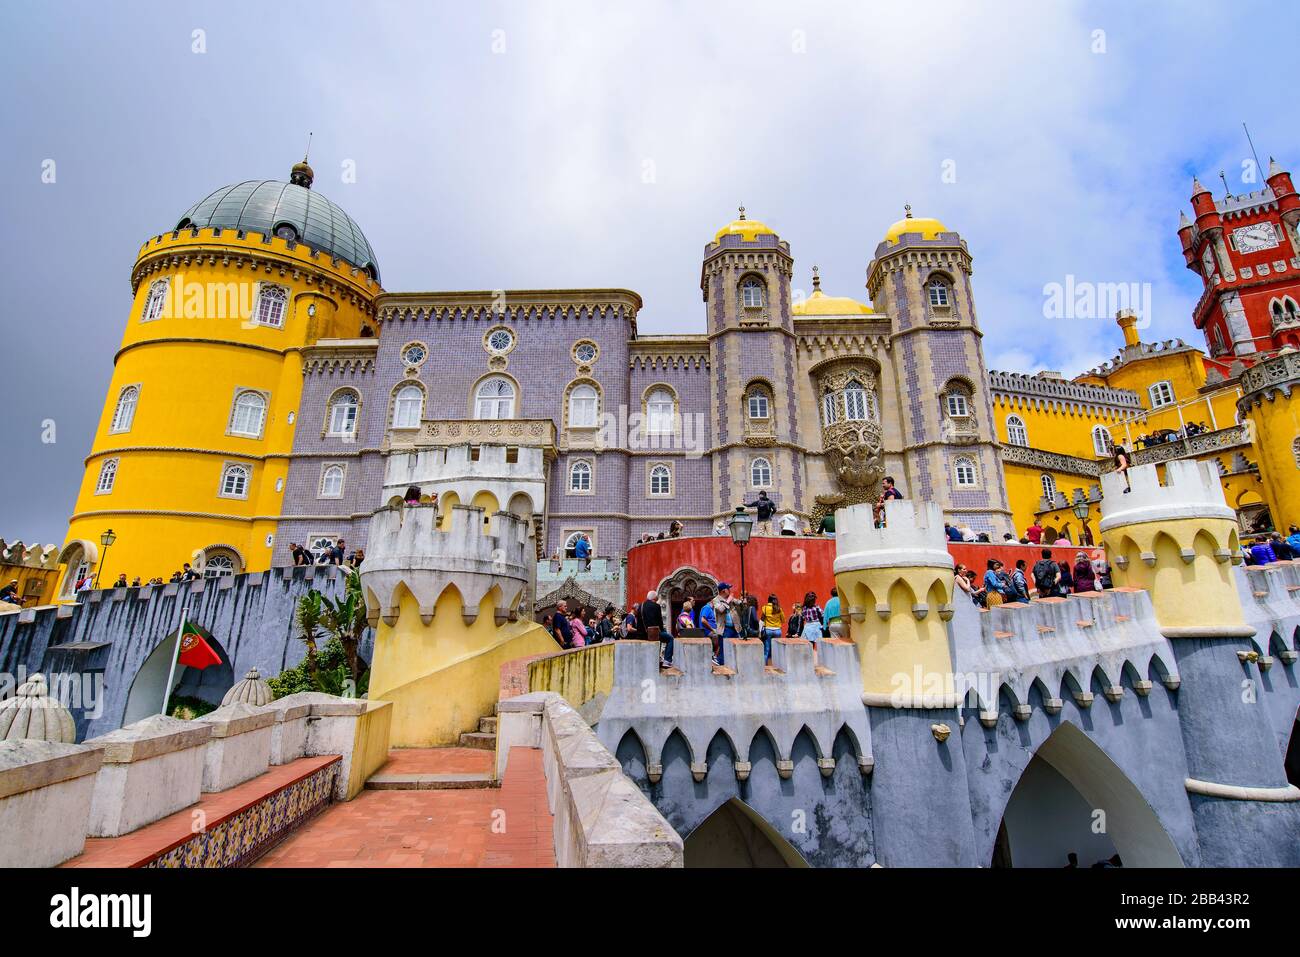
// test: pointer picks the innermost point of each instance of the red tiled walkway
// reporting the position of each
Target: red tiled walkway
(438, 761)
(509, 827)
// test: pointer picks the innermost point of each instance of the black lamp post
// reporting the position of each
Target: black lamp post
(740, 525)
(1081, 507)
(107, 539)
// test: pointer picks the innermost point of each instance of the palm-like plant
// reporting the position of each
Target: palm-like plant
(345, 619)
(309, 617)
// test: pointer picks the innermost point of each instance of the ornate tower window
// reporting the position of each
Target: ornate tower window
(1049, 488)
(660, 411)
(661, 481)
(1101, 443)
(957, 402)
(156, 301)
(248, 415)
(331, 481)
(219, 560)
(1162, 394)
(939, 294)
(965, 472)
(830, 408)
(234, 482)
(408, 404)
(124, 413)
(1017, 434)
(751, 294)
(760, 406)
(851, 433)
(495, 399)
(107, 476)
(343, 414)
(580, 476)
(272, 301)
(760, 473)
(583, 405)
(499, 340)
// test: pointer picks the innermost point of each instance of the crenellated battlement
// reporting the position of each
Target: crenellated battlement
(413, 547)
(29, 556)
(699, 702)
(913, 536)
(1191, 490)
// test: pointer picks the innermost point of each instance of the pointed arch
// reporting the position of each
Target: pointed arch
(735, 835)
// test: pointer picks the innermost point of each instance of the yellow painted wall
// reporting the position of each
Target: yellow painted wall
(1276, 425)
(188, 365)
(578, 676)
(442, 677)
(371, 744)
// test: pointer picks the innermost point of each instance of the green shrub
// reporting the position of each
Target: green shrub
(331, 678)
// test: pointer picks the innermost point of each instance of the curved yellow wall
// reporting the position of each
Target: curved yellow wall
(188, 365)
(1276, 425)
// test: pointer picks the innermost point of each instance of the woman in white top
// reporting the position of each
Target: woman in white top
(789, 524)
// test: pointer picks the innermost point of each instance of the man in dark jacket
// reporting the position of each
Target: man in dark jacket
(560, 621)
(1047, 575)
(766, 508)
(651, 617)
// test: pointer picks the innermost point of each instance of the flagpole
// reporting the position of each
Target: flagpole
(176, 653)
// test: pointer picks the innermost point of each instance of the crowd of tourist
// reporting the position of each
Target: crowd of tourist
(1272, 547)
(1188, 430)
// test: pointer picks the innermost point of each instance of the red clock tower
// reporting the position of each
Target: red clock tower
(1247, 252)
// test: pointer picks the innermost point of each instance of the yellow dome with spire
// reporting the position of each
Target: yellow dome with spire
(820, 304)
(747, 229)
(923, 226)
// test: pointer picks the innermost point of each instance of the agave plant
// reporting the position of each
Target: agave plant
(309, 614)
(345, 619)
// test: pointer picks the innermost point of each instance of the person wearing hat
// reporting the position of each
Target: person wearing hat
(713, 616)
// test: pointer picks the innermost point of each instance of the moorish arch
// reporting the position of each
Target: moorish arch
(735, 835)
(1072, 798)
(685, 582)
(209, 684)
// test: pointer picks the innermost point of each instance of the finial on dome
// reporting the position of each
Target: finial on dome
(907, 210)
(742, 212)
(817, 280)
(301, 174)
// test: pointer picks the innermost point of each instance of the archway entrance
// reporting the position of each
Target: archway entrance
(1073, 799)
(734, 835)
(208, 686)
(682, 584)
(1293, 753)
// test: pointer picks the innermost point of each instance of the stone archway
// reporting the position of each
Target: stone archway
(1072, 798)
(735, 835)
(685, 582)
(146, 695)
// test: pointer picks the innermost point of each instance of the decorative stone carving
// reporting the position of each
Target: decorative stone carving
(32, 714)
(253, 690)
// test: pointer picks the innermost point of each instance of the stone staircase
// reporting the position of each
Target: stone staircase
(470, 765)
(485, 738)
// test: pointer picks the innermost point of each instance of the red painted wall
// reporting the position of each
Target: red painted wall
(790, 566)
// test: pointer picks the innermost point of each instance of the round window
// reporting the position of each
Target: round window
(585, 352)
(500, 341)
(414, 354)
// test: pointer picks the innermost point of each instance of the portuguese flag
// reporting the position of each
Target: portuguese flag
(195, 652)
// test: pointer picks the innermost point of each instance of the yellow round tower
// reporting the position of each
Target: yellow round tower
(189, 459)
(1270, 402)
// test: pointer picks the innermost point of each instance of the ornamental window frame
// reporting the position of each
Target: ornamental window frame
(504, 350)
(128, 402)
(265, 311)
(659, 480)
(405, 396)
(107, 477)
(1050, 491)
(755, 284)
(590, 401)
(965, 472)
(155, 301)
(1161, 394)
(334, 403)
(758, 402)
(238, 404)
(230, 485)
(326, 469)
(476, 398)
(760, 472)
(653, 420)
(414, 344)
(1017, 431)
(568, 535)
(1102, 443)
(582, 344)
(582, 477)
(938, 292)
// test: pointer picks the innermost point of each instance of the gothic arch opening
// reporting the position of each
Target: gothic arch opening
(735, 835)
(1293, 753)
(686, 582)
(208, 685)
(1073, 799)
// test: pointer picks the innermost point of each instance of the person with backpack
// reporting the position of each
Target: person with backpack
(765, 508)
(996, 586)
(1047, 575)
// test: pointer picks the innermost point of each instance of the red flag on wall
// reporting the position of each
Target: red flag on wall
(195, 652)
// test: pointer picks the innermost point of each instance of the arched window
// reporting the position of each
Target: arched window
(217, 564)
(1216, 341)
(660, 407)
(855, 402)
(760, 406)
(1017, 434)
(831, 408)
(1101, 443)
(107, 476)
(156, 301)
(957, 401)
(965, 472)
(343, 413)
(270, 308)
(571, 540)
(408, 403)
(760, 473)
(1162, 394)
(248, 415)
(234, 481)
(938, 292)
(495, 399)
(580, 476)
(331, 481)
(582, 406)
(751, 293)
(124, 414)
(1049, 487)
(661, 480)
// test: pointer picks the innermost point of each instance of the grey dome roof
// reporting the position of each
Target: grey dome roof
(269, 206)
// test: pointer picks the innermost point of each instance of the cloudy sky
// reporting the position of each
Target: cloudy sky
(538, 144)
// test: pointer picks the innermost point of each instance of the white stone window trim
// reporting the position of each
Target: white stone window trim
(1048, 483)
(569, 534)
(403, 402)
(117, 426)
(653, 421)
(498, 350)
(271, 294)
(575, 469)
(414, 344)
(1161, 394)
(667, 474)
(751, 283)
(1102, 444)
(335, 402)
(588, 392)
(228, 471)
(1017, 431)
(583, 345)
(325, 470)
(479, 395)
(965, 471)
(240, 393)
(760, 479)
(155, 301)
(107, 477)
